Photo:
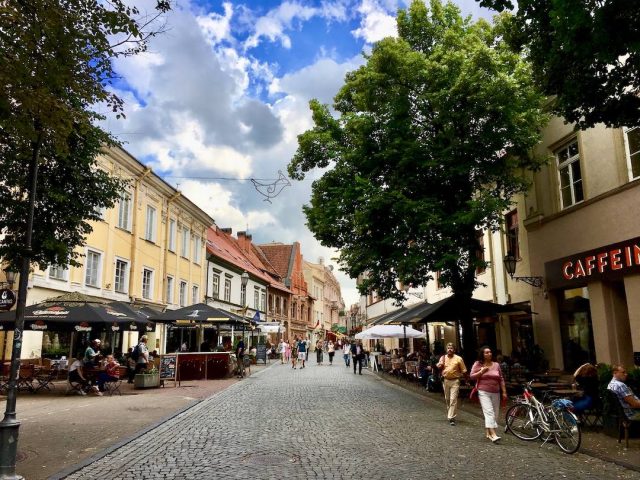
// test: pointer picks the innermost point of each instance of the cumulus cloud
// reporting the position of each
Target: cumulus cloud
(377, 22)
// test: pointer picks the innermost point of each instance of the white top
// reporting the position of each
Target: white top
(331, 348)
(75, 365)
(346, 350)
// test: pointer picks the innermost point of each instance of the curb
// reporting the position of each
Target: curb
(465, 408)
(103, 453)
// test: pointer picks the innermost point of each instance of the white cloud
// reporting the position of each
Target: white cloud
(217, 27)
(377, 21)
(273, 25)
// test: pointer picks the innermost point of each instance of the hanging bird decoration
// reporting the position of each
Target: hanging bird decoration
(273, 189)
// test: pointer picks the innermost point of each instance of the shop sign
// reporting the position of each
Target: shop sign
(7, 299)
(610, 262)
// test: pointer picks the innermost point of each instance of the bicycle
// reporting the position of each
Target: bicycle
(529, 419)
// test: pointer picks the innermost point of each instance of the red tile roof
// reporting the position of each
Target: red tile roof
(279, 256)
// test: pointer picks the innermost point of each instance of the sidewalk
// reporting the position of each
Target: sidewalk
(59, 430)
(594, 443)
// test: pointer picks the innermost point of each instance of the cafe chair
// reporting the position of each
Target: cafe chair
(113, 387)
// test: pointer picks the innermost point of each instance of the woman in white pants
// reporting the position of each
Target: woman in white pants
(490, 384)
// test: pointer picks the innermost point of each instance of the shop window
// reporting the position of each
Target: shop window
(568, 161)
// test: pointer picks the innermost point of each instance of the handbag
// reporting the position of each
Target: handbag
(473, 395)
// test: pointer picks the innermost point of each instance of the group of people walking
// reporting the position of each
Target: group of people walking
(296, 353)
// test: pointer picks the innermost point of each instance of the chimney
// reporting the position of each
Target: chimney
(244, 241)
(228, 231)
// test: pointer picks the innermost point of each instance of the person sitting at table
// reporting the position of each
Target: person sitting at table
(76, 375)
(629, 401)
(92, 354)
(111, 373)
(586, 377)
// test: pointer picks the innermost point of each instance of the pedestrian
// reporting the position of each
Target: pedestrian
(294, 353)
(282, 349)
(346, 353)
(489, 382)
(331, 349)
(142, 360)
(240, 351)
(302, 351)
(357, 353)
(131, 366)
(287, 352)
(319, 346)
(453, 369)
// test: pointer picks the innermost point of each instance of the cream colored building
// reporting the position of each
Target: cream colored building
(314, 276)
(149, 249)
(584, 239)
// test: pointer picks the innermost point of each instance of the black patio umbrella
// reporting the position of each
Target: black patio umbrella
(76, 317)
(200, 313)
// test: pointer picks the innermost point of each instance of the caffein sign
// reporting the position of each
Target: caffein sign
(610, 262)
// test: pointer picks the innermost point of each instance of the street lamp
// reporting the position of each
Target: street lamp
(10, 275)
(510, 266)
(244, 278)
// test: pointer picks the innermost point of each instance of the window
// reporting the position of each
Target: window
(256, 299)
(121, 276)
(150, 230)
(124, 212)
(101, 212)
(183, 294)
(263, 301)
(632, 144)
(480, 269)
(568, 159)
(147, 283)
(58, 272)
(92, 273)
(195, 294)
(196, 249)
(185, 243)
(215, 288)
(227, 289)
(172, 235)
(243, 295)
(169, 289)
(511, 232)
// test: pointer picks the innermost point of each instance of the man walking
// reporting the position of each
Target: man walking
(453, 369)
(357, 352)
(302, 351)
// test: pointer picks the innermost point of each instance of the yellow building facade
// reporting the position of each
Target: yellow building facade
(149, 249)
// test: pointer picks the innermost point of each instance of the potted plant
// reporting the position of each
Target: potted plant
(149, 379)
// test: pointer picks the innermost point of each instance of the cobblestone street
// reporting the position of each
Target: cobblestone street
(326, 422)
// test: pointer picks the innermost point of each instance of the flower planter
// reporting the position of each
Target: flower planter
(147, 380)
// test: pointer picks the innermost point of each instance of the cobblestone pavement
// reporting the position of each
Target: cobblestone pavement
(326, 422)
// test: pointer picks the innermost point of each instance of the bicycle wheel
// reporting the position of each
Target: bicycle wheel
(521, 422)
(568, 436)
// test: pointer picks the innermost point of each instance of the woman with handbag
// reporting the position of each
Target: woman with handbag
(489, 383)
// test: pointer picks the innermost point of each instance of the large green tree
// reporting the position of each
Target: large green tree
(585, 53)
(55, 75)
(431, 142)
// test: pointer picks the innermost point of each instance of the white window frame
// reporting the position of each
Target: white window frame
(184, 248)
(195, 294)
(256, 299)
(125, 203)
(182, 293)
(91, 251)
(263, 300)
(125, 281)
(215, 285)
(627, 149)
(170, 287)
(172, 235)
(150, 224)
(567, 164)
(196, 249)
(149, 294)
(63, 276)
(243, 295)
(227, 289)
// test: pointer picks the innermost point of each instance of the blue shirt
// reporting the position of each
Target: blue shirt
(302, 347)
(622, 391)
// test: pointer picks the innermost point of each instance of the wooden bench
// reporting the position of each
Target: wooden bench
(616, 411)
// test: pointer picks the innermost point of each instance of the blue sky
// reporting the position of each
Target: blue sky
(224, 92)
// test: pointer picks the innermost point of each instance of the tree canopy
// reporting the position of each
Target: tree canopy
(55, 72)
(586, 53)
(431, 141)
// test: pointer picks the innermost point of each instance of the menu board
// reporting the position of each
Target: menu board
(261, 353)
(169, 367)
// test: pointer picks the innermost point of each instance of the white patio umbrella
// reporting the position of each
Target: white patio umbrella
(389, 331)
(271, 328)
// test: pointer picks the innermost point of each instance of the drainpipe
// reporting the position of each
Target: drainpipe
(493, 269)
(172, 198)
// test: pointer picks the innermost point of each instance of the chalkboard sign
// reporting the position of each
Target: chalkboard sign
(261, 353)
(169, 367)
